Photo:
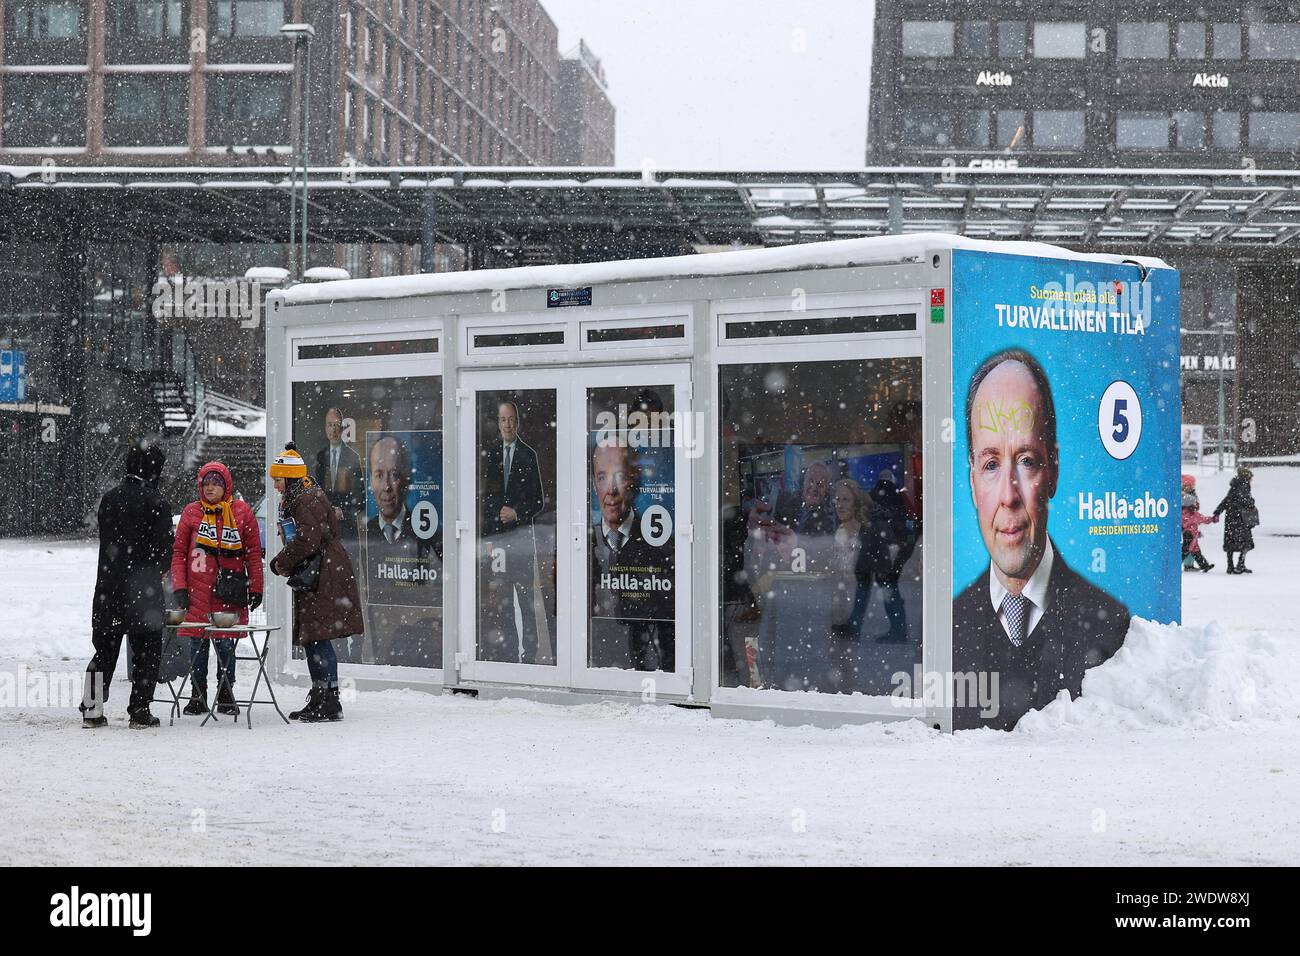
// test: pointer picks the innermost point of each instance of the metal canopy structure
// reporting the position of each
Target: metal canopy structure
(1094, 208)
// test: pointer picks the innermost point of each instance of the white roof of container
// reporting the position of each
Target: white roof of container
(875, 250)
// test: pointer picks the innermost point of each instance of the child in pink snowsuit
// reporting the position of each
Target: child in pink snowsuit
(1192, 521)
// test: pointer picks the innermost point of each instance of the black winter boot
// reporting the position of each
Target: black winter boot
(313, 703)
(198, 699)
(226, 701)
(94, 723)
(143, 720)
(329, 708)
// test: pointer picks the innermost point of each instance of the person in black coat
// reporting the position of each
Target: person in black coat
(1242, 516)
(511, 482)
(897, 534)
(135, 545)
(809, 512)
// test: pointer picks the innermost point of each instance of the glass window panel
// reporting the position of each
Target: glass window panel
(516, 526)
(1274, 41)
(1058, 129)
(331, 350)
(1142, 130)
(1011, 129)
(928, 128)
(631, 519)
(828, 325)
(44, 111)
(1271, 130)
(821, 502)
(1190, 41)
(1059, 40)
(1192, 307)
(1227, 41)
(927, 37)
(46, 20)
(249, 18)
(1146, 40)
(146, 19)
(374, 446)
(1189, 129)
(977, 38)
(506, 340)
(1227, 129)
(976, 127)
(1011, 39)
(635, 333)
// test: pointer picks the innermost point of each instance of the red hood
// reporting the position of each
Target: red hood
(220, 469)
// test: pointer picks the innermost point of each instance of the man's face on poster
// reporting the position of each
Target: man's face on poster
(1013, 472)
(613, 470)
(333, 426)
(816, 481)
(507, 422)
(389, 477)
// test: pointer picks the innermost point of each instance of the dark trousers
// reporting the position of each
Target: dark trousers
(322, 664)
(895, 610)
(515, 577)
(146, 650)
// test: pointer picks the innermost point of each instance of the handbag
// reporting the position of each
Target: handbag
(231, 587)
(1250, 516)
(306, 576)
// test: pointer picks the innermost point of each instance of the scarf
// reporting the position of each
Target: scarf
(219, 516)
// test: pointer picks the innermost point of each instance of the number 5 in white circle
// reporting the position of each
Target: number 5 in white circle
(1119, 420)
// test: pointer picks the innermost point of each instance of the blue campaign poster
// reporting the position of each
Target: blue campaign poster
(424, 450)
(1066, 522)
(655, 486)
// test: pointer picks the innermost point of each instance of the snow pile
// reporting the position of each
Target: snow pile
(1171, 676)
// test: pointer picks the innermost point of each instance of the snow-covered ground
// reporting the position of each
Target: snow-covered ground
(1185, 748)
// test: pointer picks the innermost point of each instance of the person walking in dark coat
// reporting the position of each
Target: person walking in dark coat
(309, 527)
(1242, 516)
(896, 533)
(135, 540)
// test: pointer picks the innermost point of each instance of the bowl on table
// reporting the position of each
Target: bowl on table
(174, 616)
(224, 618)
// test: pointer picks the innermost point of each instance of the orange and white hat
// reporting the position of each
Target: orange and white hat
(289, 464)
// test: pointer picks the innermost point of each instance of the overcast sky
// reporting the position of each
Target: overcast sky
(731, 84)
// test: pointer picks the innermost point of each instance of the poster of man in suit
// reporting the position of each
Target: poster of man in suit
(401, 544)
(1046, 574)
(632, 568)
(339, 473)
(511, 497)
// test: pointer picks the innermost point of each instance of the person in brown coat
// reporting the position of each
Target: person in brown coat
(328, 607)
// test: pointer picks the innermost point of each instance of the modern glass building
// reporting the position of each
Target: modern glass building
(1169, 84)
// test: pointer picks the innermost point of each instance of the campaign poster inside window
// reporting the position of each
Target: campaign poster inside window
(515, 496)
(373, 442)
(631, 528)
(1066, 468)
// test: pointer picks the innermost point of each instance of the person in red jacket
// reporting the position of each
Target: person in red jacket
(217, 538)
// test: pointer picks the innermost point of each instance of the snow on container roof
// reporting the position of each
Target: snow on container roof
(875, 250)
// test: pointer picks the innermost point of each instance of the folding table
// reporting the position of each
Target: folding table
(258, 657)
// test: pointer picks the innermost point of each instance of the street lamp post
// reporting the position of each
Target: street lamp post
(301, 34)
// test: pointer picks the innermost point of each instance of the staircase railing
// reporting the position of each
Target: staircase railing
(214, 406)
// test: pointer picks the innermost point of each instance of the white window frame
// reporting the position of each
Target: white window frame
(723, 313)
(811, 348)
